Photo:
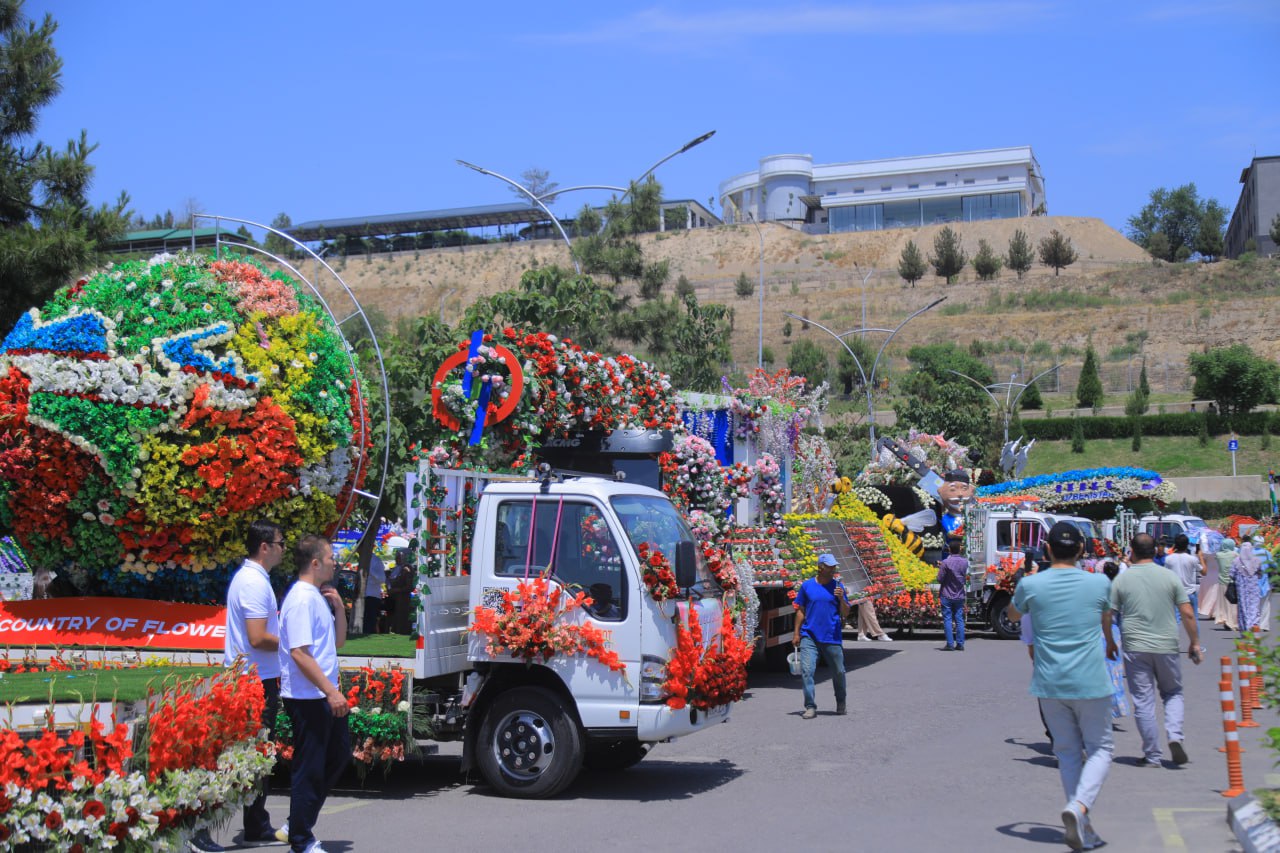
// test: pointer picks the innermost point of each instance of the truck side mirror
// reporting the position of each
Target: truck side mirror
(686, 566)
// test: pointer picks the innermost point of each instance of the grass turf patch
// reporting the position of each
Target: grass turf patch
(1171, 456)
(379, 646)
(100, 685)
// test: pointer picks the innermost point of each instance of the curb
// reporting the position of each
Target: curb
(1256, 832)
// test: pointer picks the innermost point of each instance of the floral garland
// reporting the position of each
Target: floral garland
(655, 571)
(692, 477)
(768, 486)
(911, 608)
(202, 755)
(721, 566)
(149, 412)
(873, 549)
(1089, 485)
(813, 468)
(709, 677)
(531, 624)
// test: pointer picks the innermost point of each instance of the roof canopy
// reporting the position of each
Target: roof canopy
(422, 220)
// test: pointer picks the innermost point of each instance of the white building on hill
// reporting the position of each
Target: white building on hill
(870, 195)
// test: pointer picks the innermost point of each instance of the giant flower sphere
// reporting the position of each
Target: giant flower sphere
(149, 413)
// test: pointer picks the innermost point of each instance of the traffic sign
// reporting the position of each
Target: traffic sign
(1233, 445)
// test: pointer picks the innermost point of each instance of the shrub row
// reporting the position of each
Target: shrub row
(1186, 424)
(1221, 509)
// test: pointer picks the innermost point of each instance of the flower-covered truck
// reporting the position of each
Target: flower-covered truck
(563, 623)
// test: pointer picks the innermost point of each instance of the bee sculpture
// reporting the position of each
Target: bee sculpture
(907, 529)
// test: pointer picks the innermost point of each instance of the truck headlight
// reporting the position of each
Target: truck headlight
(653, 672)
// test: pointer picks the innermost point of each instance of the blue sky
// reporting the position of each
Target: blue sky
(331, 109)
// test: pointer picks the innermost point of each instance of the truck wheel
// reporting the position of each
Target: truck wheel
(615, 754)
(530, 746)
(1005, 628)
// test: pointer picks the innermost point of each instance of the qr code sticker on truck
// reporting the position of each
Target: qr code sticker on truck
(491, 597)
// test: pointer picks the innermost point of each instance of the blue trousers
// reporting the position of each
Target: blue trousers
(953, 611)
(833, 654)
(321, 751)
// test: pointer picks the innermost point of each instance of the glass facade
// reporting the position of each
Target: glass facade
(935, 211)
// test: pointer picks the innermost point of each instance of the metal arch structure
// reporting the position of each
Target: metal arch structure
(365, 431)
(1010, 402)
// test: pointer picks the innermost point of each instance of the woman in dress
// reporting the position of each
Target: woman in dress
(1245, 571)
(1224, 612)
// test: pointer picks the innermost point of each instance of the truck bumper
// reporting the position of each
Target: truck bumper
(659, 723)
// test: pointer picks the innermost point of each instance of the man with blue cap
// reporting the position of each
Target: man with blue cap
(821, 608)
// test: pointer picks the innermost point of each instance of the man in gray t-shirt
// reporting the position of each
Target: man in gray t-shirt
(1147, 596)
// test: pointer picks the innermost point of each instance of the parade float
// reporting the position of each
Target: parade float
(148, 413)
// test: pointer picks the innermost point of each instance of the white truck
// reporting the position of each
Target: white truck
(994, 535)
(530, 727)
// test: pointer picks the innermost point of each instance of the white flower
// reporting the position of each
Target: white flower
(147, 321)
(206, 307)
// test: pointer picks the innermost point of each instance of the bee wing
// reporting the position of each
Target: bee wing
(918, 521)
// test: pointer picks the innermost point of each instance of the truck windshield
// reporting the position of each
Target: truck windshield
(1088, 528)
(1194, 523)
(656, 522)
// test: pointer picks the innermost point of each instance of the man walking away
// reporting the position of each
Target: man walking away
(1188, 570)
(1147, 597)
(953, 576)
(821, 608)
(375, 588)
(1072, 616)
(253, 640)
(313, 626)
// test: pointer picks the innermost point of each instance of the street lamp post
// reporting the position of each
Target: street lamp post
(865, 279)
(535, 200)
(868, 381)
(1010, 402)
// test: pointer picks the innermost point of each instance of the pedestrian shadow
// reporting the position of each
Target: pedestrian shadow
(1041, 833)
(1042, 747)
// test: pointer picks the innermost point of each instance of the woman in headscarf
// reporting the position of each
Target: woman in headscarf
(1224, 612)
(1245, 570)
(1264, 582)
(1210, 590)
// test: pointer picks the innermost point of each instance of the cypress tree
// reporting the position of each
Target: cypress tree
(1077, 435)
(1143, 385)
(1136, 445)
(1089, 392)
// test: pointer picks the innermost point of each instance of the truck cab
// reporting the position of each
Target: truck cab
(1160, 526)
(529, 726)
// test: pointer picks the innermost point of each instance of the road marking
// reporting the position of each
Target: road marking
(345, 807)
(1168, 826)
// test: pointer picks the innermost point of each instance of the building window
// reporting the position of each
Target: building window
(995, 206)
(901, 214)
(968, 181)
(913, 186)
(939, 183)
(1003, 178)
(863, 217)
(886, 188)
(831, 192)
(857, 190)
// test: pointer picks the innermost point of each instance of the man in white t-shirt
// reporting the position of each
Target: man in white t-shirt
(1188, 569)
(253, 640)
(313, 626)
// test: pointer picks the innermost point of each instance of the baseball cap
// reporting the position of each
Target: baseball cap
(956, 475)
(1065, 538)
(827, 560)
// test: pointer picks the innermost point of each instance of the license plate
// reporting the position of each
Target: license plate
(717, 713)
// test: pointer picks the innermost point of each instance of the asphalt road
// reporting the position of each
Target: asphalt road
(940, 752)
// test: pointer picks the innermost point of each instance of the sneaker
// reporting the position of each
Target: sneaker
(948, 648)
(959, 647)
(863, 638)
(840, 709)
(270, 837)
(1147, 762)
(201, 842)
(1179, 754)
(1073, 823)
(314, 847)
(1091, 839)
(282, 834)
(809, 713)
(884, 638)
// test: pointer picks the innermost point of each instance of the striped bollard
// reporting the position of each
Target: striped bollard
(1245, 670)
(1255, 679)
(1235, 773)
(1227, 677)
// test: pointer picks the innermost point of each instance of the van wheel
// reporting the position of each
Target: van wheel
(1005, 628)
(615, 754)
(530, 745)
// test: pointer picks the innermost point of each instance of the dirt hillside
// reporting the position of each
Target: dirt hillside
(1110, 293)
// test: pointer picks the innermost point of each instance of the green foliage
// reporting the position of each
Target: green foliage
(786, 328)
(809, 360)
(1143, 384)
(937, 400)
(1209, 239)
(948, 257)
(684, 287)
(1056, 251)
(911, 265)
(767, 356)
(1178, 215)
(1077, 436)
(1222, 509)
(1031, 398)
(1203, 434)
(48, 232)
(1089, 391)
(1185, 424)
(1158, 247)
(275, 244)
(1020, 257)
(1274, 231)
(847, 373)
(937, 359)
(1136, 444)
(1235, 378)
(554, 300)
(538, 182)
(987, 263)
(608, 246)
(743, 286)
(1136, 403)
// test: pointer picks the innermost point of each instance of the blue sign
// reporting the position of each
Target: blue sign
(1233, 445)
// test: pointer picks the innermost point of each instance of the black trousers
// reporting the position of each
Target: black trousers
(321, 751)
(372, 612)
(257, 822)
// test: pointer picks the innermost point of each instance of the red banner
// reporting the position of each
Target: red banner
(122, 622)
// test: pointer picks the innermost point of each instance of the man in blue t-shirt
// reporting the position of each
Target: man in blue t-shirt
(1071, 609)
(821, 608)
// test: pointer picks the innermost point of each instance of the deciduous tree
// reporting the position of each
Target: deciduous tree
(1177, 214)
(809, 360)
(1234, 377)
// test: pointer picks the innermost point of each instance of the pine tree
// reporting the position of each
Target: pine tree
(987, 263)
(1020, 257)
(1056, 251)
(911, 264)
(1136, 444)
(744, 286)
(1136, 403)
(1031, 398)
(1089, 393)
(1077, 435)
(48, 231)
(948, 257)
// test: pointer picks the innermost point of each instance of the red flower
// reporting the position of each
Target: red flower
(94, 809)
(53, 820)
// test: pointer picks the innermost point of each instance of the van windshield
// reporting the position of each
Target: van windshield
(656, 522)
